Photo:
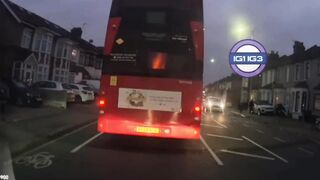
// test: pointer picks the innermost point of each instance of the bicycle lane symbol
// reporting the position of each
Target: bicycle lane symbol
(40, 160)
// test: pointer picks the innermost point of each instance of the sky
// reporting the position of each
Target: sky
(274, 23)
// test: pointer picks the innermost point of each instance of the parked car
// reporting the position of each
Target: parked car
(22, 95)
(263, 107)
(55, 86)
(94, 88)
(83, 93)
(213, 104)
(4, 96)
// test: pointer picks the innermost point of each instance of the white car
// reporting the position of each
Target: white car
(83, 93)
(263, 107)
(213, 104)
(55, 86)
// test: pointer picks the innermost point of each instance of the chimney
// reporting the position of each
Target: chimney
(76, 32)
(298, 48)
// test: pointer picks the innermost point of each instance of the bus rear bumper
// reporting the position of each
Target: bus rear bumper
(177, 131)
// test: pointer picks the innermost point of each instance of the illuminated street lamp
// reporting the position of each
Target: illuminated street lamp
(241, 28)
(212, 60)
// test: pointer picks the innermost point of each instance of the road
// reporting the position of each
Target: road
(231, 147)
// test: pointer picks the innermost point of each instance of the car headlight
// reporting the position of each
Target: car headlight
(222, 105)
(209, 103)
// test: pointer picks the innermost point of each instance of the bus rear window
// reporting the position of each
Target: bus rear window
(158, 18)
(158, 61)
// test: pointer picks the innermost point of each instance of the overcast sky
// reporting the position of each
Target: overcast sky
(275, 23)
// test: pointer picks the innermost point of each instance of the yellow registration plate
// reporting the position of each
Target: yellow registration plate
(150, 130)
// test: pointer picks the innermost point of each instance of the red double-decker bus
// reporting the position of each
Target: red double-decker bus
(153, 76)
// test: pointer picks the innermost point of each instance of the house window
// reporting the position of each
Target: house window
(297, 101)
(297, 72)
(43, 42)
(307, 70)
(26, 38)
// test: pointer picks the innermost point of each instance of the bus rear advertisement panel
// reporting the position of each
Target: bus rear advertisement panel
(152, 77)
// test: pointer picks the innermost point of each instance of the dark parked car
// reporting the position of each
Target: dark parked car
(4, 96)
(22, 95)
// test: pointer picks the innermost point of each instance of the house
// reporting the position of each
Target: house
(35, 49)
(232, 89)
(293, 80)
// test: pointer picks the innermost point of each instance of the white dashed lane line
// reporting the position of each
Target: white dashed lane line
(214, 156)
(213, 126)
(225, 137)
(265, 149)
(247, 155)
(85, 143)
(259, 131)
(306, 151)
(315, 141)
(220, 124)
(279, 139)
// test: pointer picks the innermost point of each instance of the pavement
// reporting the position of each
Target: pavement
(231, 147)
(23, 128)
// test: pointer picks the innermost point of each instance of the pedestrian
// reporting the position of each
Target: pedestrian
(251, 104)
(240, 108)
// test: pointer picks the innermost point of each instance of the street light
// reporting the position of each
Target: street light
(240, 28)
(212, 60)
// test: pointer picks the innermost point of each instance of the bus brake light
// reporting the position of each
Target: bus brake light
(102, 102)
(197, 108)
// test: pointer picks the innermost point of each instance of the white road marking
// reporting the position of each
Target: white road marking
(215, 157)
(55, 140)
(279, 139)
(39, 160)
(237, 113)
(306, 151)
(259, 131)
(225, 137)
(220, 124)
(208, 125)
(316, 141)
(85, 143)
(246, 154)
(265, 149)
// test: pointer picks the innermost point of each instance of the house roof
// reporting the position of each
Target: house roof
(33, 19)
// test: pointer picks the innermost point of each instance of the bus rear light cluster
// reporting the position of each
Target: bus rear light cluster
(197, 109)
(167, 131)
(102, 102)
(101, 112)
